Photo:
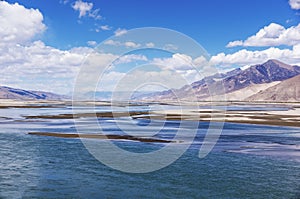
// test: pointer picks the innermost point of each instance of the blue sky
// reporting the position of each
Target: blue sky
(213, 23)
(43, 43)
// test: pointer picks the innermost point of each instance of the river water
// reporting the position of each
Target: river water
(248, 161)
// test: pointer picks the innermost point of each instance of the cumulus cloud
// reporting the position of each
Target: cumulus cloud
(82, 7)
(164, 73)
(295, 4)
(177, 61)
(86, 9)
(37, 66)
(271, 35)
(30, 64)
(40, 67)
(247, 57)
(120, 32)
(19, 24)
(184, 65)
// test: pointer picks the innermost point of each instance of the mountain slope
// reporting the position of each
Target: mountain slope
(20, 94)
(286, 91)
(266, 73)
(244, 93)
(270, 71)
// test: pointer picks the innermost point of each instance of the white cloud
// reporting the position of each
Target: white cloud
(295, 4)
(235, 43)
(184, 65)
(19, 24)
(170, 47)
(95, 14)
(86, 9)
(105, 27)
(181, 62)
(120, 32)
(200, 61)
(63, 2)
(247, 57)
(95, 65)
(150, 45)
(102, 28)
(172, 72)
(137, 79)
(128, 44)
(83, 7)
(112, 42)
(288, 21)
(131, 44)
(29, 64)
(39, 67)
(130, 58)
(109, 80)
(177, 61)
(271, 35)
(92, 43)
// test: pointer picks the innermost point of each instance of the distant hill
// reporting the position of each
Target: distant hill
(237, 84)
(285, 91)
(20, 94)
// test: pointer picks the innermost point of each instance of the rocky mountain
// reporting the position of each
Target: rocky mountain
(250, 81)
(286, 91)
(20, 94)
(270, 71)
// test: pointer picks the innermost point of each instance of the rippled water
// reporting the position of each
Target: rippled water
(249, 161)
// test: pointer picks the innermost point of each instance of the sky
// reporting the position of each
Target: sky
(44, 44)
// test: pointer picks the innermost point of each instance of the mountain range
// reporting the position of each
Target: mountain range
(20, 94)
(270, 81)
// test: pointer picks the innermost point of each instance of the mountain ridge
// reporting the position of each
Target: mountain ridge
(21, 94)
(259, 74)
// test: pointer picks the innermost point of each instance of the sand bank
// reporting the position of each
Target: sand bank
(101, 136)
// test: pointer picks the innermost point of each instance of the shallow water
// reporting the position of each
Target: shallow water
(249, 161)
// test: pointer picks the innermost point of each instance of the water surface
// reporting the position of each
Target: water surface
(249, 161)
